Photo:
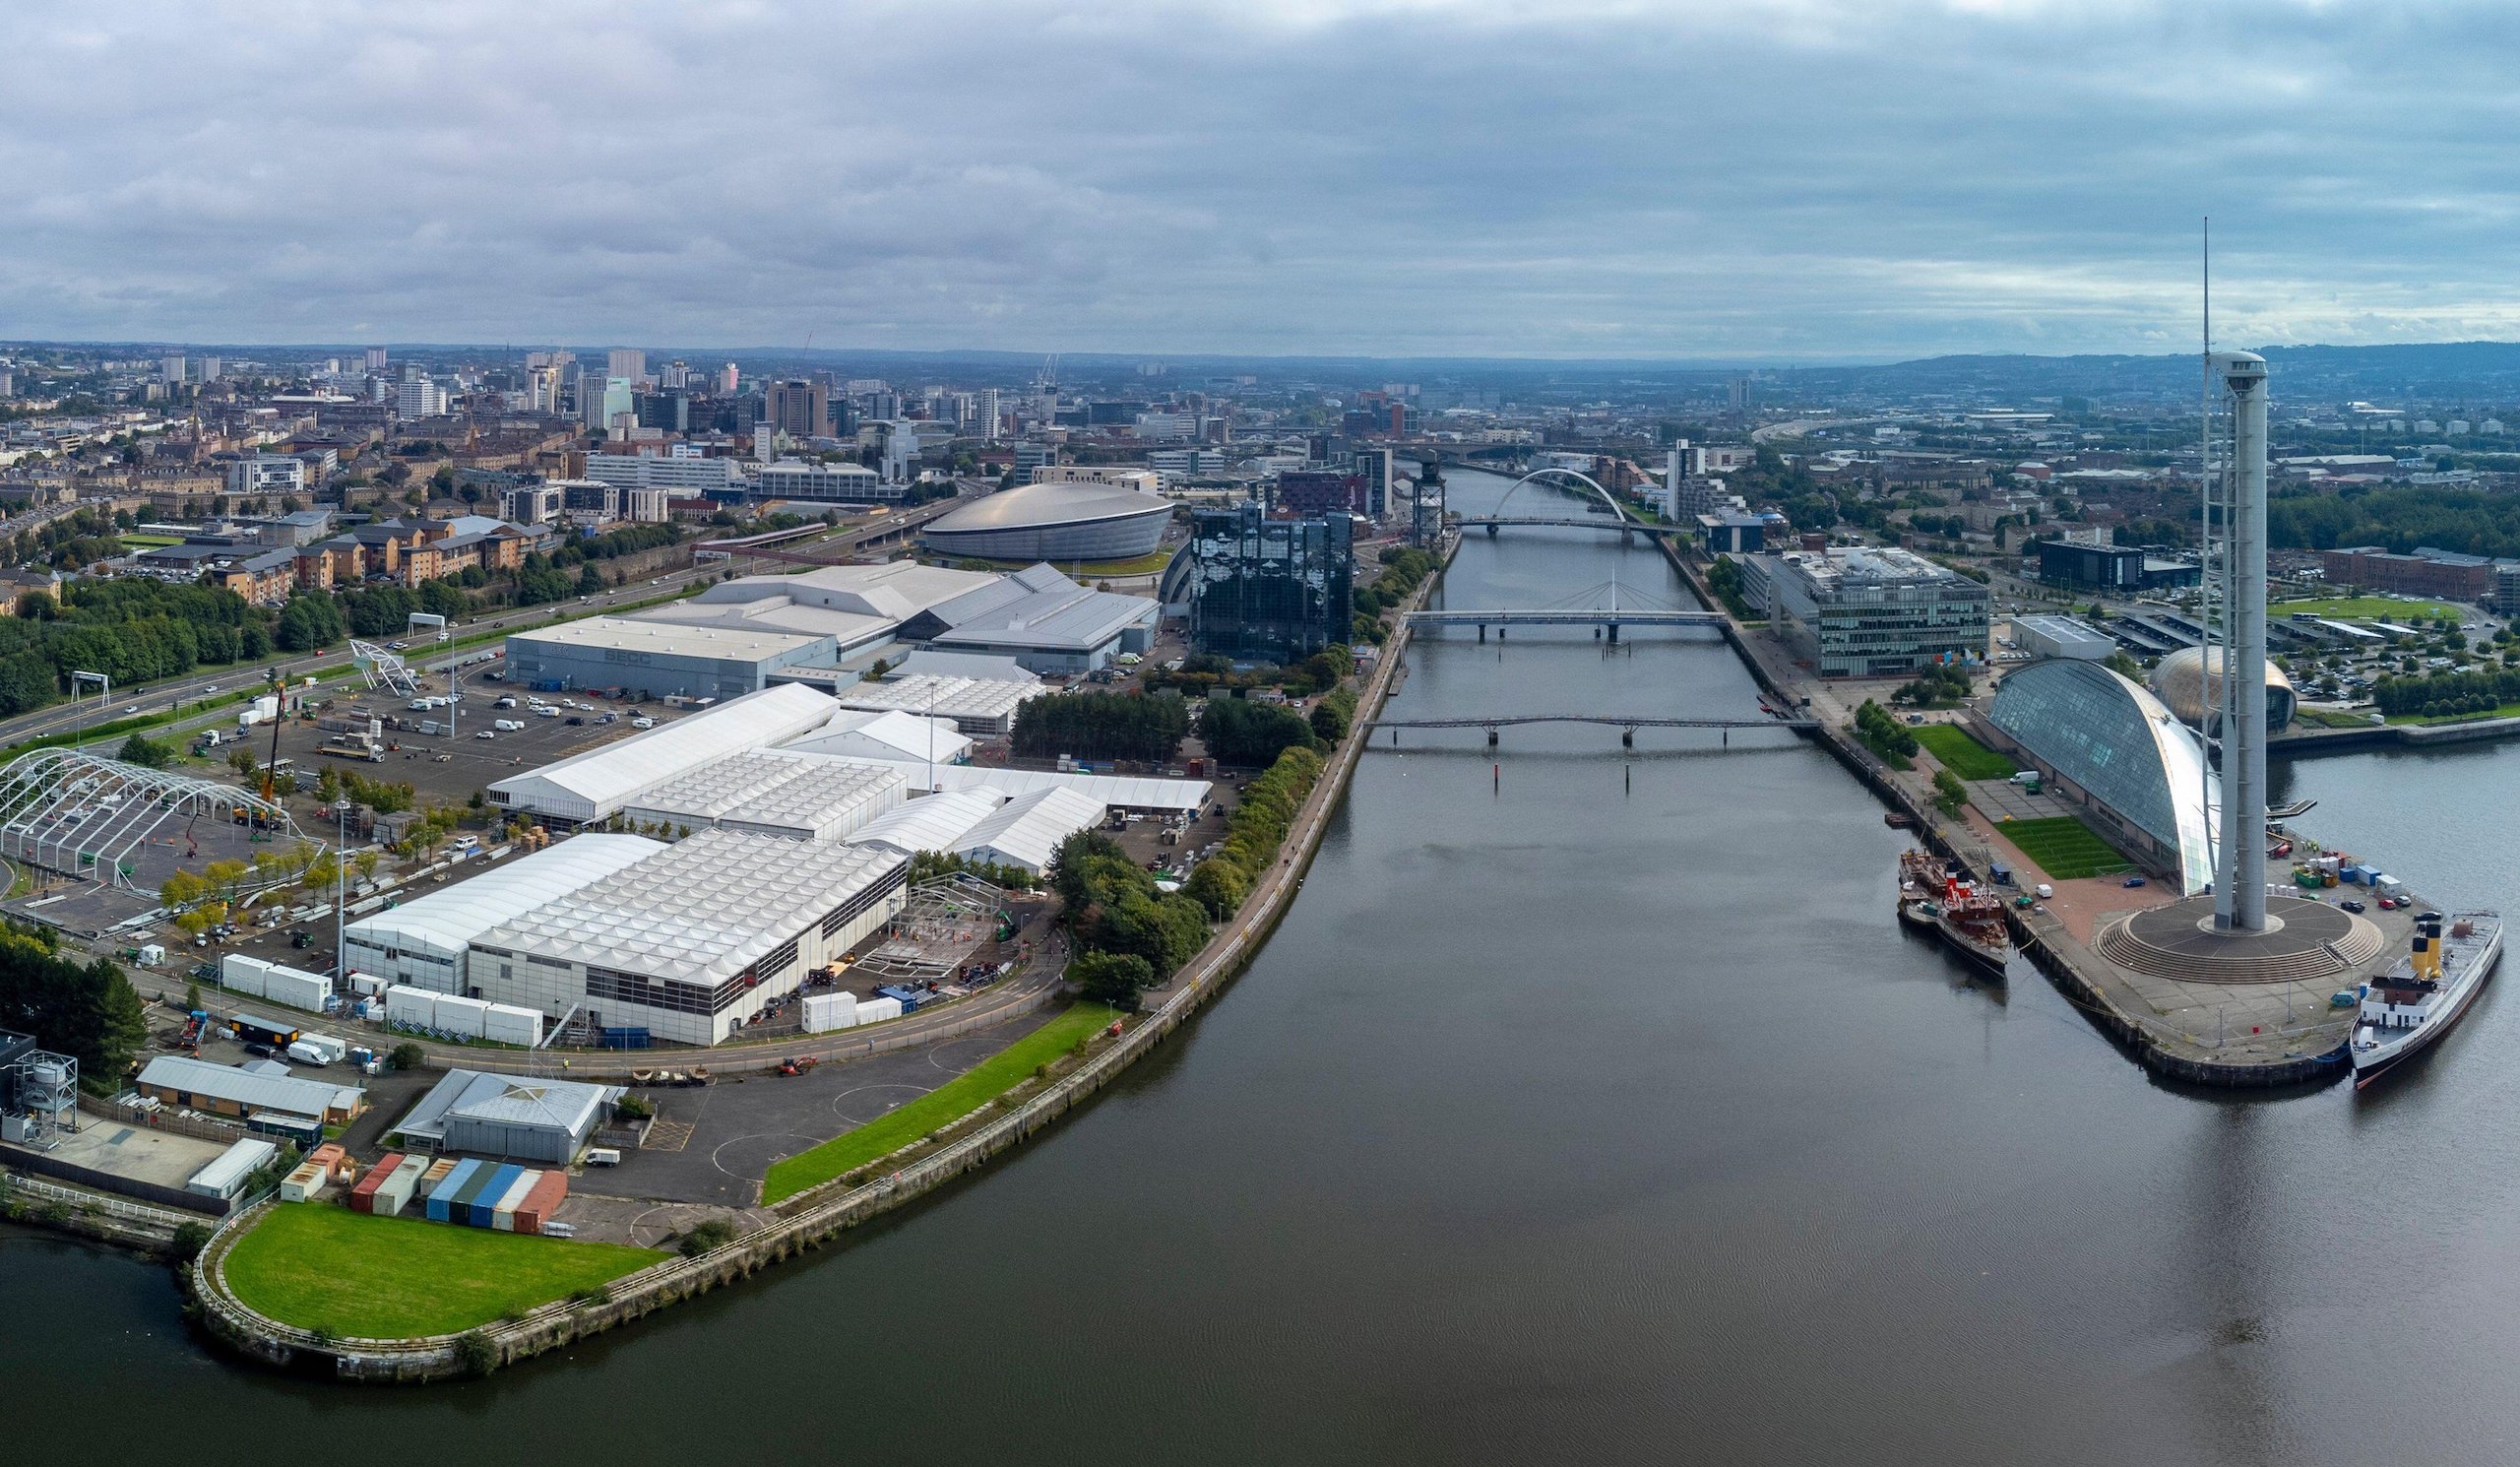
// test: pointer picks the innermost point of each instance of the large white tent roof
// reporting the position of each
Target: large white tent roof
(902, 736)
(776, 792)
(934, 822)
(701, 911)
(595, 783)
(1027, 830)
(442, 923)
(1124, 791)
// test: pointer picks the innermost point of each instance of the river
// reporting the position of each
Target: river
(1585, 1108)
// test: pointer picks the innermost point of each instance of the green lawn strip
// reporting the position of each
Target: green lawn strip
(323, 1267)
(2065, 848)
(948, 1103)
(2367, 608)
(2507, 709)
(1963, 755)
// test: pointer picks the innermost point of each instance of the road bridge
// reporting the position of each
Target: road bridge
(1493, 523)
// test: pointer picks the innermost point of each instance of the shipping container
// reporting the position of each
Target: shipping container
(277, 1033)
(460, 1016)
(507, 1024)
(485, 1198)
(503, 1211)
(363, 1192)
(876, 1010)
(825, 1012)
(413, 1008)
(441, 1206)
(305, 1184)
(243, 974)
(395, 1194)
(298, 989)
(550, 1189)
(439, 1168)
(333, 1160)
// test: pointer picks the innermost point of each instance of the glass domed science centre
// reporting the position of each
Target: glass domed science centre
(2107, 745)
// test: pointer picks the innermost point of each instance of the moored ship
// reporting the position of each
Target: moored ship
(2406, 1009)
(1935, 894)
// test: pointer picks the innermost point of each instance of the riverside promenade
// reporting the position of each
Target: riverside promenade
(817, 1216)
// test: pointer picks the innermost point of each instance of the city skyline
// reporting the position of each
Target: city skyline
(1779, 182)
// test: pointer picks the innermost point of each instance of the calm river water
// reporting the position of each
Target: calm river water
(1586, 1108)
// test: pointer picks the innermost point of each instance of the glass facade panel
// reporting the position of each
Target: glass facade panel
(2123, 747)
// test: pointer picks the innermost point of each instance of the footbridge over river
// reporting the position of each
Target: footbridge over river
(1583, 609)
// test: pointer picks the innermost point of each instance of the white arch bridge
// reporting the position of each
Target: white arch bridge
(1625, 522)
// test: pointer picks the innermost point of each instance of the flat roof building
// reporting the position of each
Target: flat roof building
(692, 944)
(2061, 636)
(659, 659)
(421, 942)
(226, 1090)
(1045, 621)
(515, 1118)
(782, 793)
(594, 786)
(856, 606)
(1867, 612)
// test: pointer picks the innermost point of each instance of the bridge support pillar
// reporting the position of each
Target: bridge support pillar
(1614, 633)
(1627, 739)
(1491, 738)
(1483, 631)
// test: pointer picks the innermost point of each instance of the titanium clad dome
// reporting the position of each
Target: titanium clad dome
(1054, 521)
(2118, 744)
(2187, 689)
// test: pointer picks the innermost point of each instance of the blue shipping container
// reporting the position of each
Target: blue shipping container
(486, 1202)
(442, 1196)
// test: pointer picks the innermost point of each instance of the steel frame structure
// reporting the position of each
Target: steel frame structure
(941, 924)
(383, 664)
(80, 814)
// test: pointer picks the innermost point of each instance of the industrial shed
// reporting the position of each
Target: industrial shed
(226, 1090)
(778, 792)
(597, 784)
(513, 1116)
(1027, 830)
(658, 658)
(421, 942)
(693, 942)
(986, 706)
(932, 822)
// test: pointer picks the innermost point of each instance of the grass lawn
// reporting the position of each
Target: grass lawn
(948, 1103)
(319, 1266)
(148, 542)
(2367, 608)
(2507, 709)
(2065, 848)
(1963, 755)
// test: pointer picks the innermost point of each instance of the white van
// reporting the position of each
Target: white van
(508, 724)
(603, 1155)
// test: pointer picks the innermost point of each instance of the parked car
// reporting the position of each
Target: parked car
(2350, 905)
(2132, 881)
(485, 733)
(643, 722)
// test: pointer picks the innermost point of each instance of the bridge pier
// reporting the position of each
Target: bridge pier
(1614, 633)
(1491, 738)
(1483, 631)
(1627, 739)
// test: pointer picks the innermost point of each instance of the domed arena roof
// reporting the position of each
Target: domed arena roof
(1054, 521)
(2185, 685)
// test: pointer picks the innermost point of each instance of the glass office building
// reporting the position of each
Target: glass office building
(1875, 613)
(2107, 744)
(1269, 590)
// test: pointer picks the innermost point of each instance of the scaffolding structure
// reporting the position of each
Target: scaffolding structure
(941, 924)
(84, 816)
(382, 665)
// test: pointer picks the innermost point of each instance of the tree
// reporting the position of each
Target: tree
(407, 1055)
(1328, 724)
(1112, 978)
(86, 1011)
(147, 752)
(1218, 885)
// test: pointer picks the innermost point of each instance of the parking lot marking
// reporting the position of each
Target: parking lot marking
(668, 1135)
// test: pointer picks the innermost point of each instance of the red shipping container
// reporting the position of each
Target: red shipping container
(543, 1201)
(363, 1196)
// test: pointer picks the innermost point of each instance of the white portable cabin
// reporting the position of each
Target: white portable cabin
(825, 1012)
(876, 1010)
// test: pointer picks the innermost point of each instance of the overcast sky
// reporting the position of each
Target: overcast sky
(1787, 179)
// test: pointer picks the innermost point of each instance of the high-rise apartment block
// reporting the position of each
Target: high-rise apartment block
(798, 408)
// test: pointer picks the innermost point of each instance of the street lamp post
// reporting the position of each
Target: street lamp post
(341, 889)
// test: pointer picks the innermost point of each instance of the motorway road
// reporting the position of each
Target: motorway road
(204, 683)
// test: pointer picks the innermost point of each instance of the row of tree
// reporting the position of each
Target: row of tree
(1102, 726)
(1248, 733)
(2448, 693)
(86, 1010)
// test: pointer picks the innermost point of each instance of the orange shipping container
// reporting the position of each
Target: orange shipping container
(543, 1201)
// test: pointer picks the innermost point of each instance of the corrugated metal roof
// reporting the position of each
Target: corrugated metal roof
(257, 1092)
(443, 921)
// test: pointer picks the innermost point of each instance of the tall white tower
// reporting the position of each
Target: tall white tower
(2240, 876)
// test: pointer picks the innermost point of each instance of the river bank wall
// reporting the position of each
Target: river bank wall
(821, 1215)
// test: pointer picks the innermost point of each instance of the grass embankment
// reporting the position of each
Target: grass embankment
(2065, 847)
(1963, 755)
(1084, 570)
(941, 1107)
(323, 1267)
(2507, 710)
(2322, 719)
(2366, 609)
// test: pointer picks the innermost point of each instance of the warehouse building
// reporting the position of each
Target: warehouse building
(1056, 520)
(932, 822)
(1027, 830)
(780, 792)
(693, 942)
(985, 708)
(898, 737)
(592, 787)
(513, 1117)
(421, 944)
(653, 658)
(225, 1090)
(1045, 621)
(2061, 636)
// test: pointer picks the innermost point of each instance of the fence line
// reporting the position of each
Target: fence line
(16, 1182)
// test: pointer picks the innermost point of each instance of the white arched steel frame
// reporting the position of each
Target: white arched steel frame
(80, 814)
(1585, 481)
(382, 665)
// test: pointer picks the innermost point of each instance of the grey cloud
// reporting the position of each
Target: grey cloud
(1794, 179)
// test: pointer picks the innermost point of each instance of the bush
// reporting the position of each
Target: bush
(475, 1355)
(633, 1107)
(407, 1055)
(715, 1233)
(190, 1239)
(1112, 978)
